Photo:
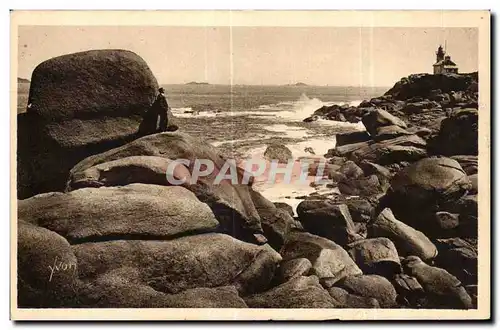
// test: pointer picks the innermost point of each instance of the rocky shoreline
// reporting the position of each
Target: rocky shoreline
(100, 226)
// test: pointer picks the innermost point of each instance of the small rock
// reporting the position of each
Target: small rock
(284, 206)
(351, 170)
(278, 152)
(376, 256)
(372, 286)
(294, 268)
(328, 219)
(445, 289)
(301, 292)
(410, 292)
(344, 299)
(408, 241)
(363, 186)
(328, 259)
(379, 118)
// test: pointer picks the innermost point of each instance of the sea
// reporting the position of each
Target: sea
(243, 120)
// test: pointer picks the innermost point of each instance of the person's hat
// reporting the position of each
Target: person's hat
(161, 90)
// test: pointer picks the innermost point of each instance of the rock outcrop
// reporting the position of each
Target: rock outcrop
(240, 211)
(114, 219)
(79, 104)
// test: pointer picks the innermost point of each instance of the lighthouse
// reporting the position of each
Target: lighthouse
(444, 64)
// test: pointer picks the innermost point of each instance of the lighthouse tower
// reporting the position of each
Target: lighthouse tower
(440, 54)
(444, 64)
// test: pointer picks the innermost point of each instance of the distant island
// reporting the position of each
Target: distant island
(297, 84)
(22, 80)
(197, 83)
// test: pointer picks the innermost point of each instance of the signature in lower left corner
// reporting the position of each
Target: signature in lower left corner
(59, 266)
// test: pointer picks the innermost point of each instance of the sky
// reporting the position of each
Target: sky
(335, 56)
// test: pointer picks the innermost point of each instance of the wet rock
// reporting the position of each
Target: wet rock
(278, 152)
(376, 256)
(445, 290)
(136, 210)
(352, 137)
(408, 241)
(328, 219)
(328, 259)
(311, 119)
(344, 299)
(208, 260)
(378, 118)
(46, 268)
(301, 292)
(371, 286)
(294, 268)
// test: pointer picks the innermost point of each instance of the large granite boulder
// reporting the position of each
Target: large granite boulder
(79, 104)
(136, 210)
(206, 260)
(232, 203)
(427, 184)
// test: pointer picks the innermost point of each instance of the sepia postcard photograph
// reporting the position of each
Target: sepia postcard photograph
(250, 165)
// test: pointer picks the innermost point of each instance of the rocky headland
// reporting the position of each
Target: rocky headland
(100, 226)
